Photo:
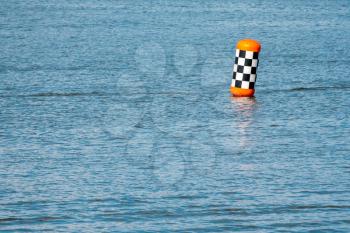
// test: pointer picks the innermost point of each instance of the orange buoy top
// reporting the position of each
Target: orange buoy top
(249, 45)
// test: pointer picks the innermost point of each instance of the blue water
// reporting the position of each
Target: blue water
(115, 116)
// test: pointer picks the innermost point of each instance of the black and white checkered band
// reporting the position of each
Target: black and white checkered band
(244, 69)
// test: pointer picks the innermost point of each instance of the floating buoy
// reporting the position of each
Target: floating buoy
(245, 67)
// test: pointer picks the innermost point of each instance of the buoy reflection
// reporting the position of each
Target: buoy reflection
(244, 108)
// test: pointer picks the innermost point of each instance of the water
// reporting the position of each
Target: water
(116, 116)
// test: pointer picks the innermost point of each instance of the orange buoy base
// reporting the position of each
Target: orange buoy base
(240, 92)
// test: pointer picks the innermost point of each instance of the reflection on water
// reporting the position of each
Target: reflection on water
(244, 105)
(244, 108)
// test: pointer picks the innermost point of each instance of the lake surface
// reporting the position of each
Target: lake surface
(115, 116)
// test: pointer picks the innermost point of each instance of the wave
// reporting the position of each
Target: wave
(56, 94)
(305, 89)
(59, 94)
(31, 220)
(318, 88)
(95, 93)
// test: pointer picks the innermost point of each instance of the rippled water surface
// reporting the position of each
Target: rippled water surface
(115, 116)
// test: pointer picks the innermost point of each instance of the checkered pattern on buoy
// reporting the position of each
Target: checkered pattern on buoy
(244, 69)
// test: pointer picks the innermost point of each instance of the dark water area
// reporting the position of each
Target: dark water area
(115, 116)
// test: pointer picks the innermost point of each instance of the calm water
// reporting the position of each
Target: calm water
(116, 116)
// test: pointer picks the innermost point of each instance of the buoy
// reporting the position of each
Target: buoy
(245, 67)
